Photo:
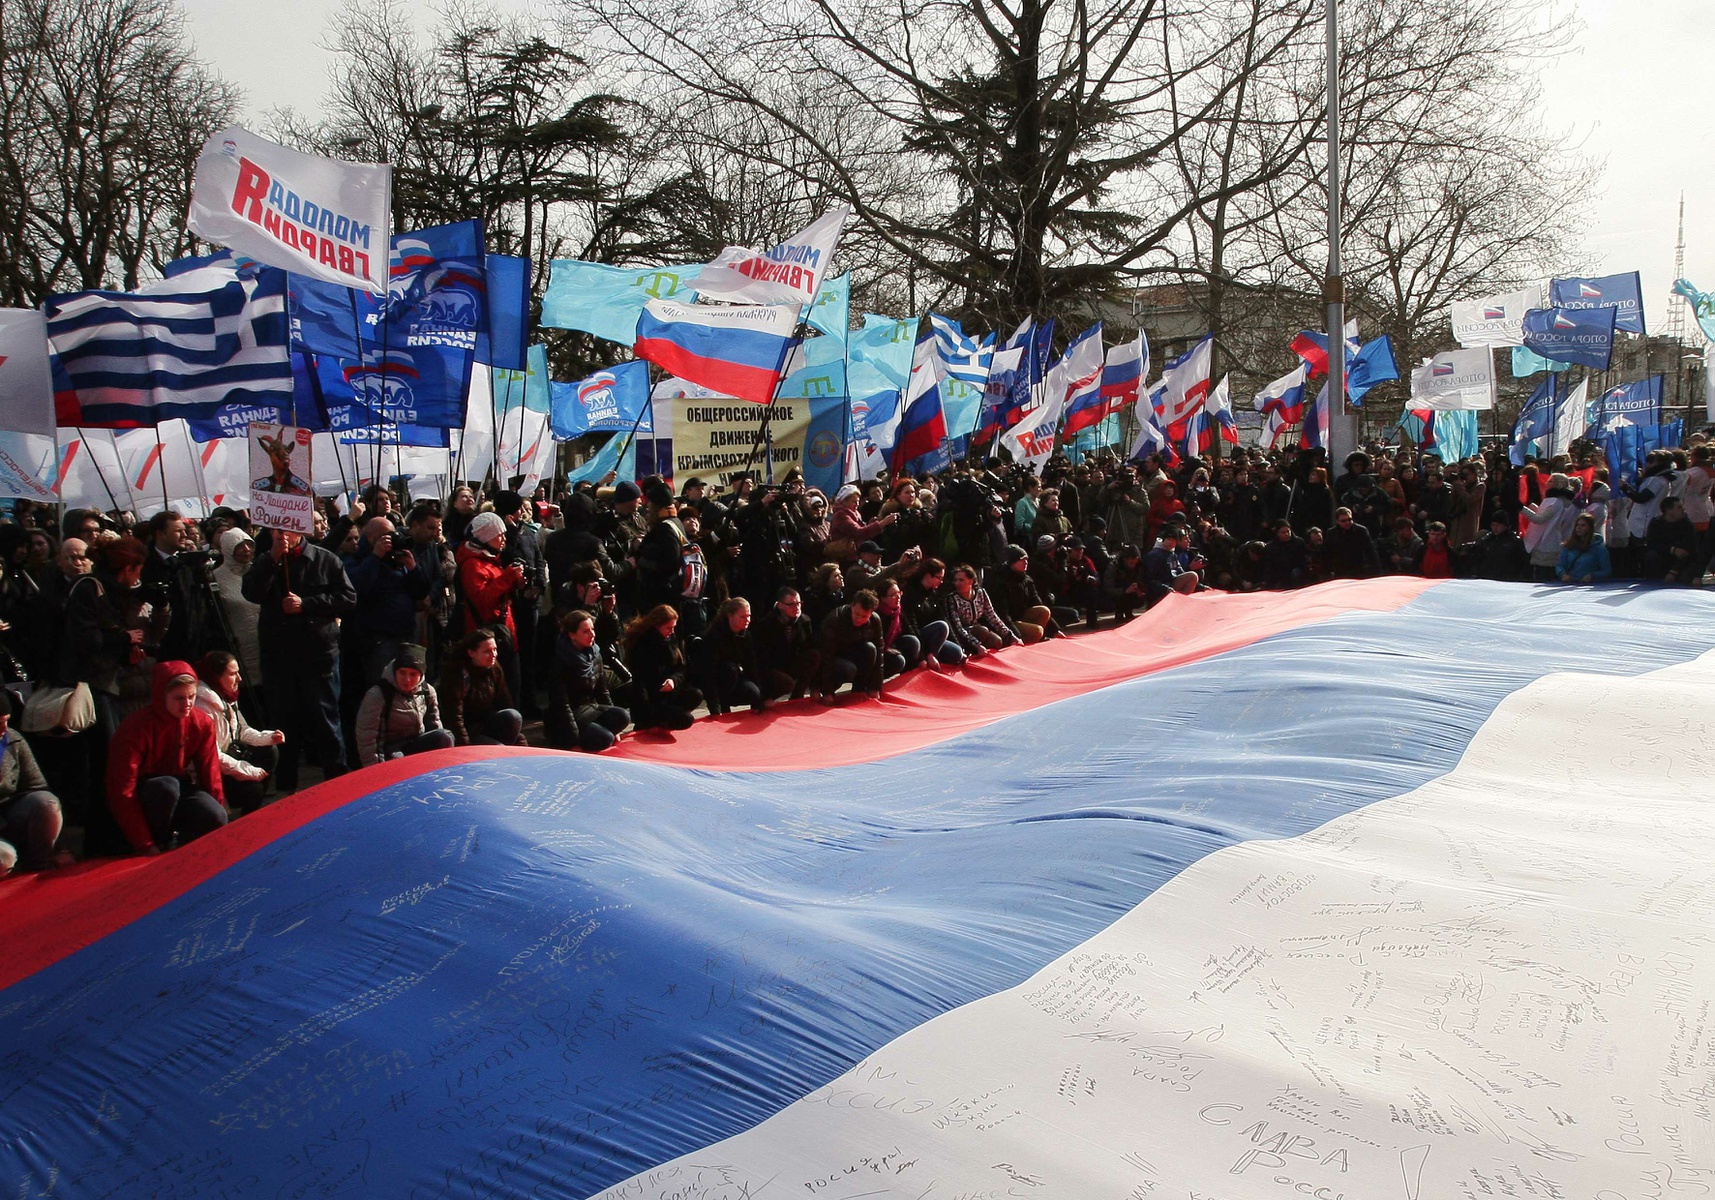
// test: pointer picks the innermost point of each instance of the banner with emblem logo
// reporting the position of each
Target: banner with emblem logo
(1454, 380)
(1623, 293)
(612, 399)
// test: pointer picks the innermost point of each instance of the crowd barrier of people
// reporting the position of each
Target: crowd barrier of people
(166, 675)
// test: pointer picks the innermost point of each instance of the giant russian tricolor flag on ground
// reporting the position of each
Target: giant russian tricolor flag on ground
(737, 350)
(1390, 889)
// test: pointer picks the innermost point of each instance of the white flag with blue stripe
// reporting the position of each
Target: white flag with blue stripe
(183, 347)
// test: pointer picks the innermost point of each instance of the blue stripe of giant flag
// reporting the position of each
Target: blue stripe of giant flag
(737, 350)
(542, 974)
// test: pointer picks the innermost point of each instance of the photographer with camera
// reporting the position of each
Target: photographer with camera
(389, 588)
(176, 574)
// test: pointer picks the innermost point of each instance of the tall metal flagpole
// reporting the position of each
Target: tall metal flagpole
(1342, 427)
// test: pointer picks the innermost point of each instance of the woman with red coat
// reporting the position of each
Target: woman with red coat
(1165, 508)
(487, 585)
(163, 768)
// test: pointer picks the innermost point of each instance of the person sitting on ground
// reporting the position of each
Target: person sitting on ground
(163, 769)
(581, 713)
(1083, 580)
(1020, 603)
(1670, 544)
(1166, 569)
(924, 609)
(247, 756)
(663, 697)
(852, 647)
(29, 813)
(1583, 559)
(475, 699)
(971, 614)
(1122, 585)
(1436, 559)
(1500, 553)
(900, 650)
(786, 652)
(1402, 547)
(1249, 569)
(1285, 559)
(401, 714)
(1351, 548)
(734, 672)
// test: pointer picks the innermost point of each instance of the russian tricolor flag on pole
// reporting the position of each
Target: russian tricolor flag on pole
(1122, 378)
(923, 424)
(737, 350)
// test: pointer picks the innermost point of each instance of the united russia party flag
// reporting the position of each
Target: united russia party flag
(737, 350)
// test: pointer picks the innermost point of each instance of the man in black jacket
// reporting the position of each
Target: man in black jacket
(303, 592)
(786, 648)
(851, 647)
(1351, 549)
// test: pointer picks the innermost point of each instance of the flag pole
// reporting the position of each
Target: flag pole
(161, 466)
(796, 339)
(1341, 427)
(99, 473)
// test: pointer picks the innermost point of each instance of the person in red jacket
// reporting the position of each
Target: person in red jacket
(488, 581)
(163, 769)
(485, 582)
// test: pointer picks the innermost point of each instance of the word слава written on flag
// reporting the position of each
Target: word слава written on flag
(280, 496)
(317, 216)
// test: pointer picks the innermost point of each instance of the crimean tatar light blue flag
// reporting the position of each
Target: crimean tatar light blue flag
(1702, 306)
(832, 312)
(607, 301)
(1527, 362)
(609, 458)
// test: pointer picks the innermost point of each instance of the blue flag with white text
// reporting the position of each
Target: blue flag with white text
(1581, 336)
(1637, 403)
(1622, 293)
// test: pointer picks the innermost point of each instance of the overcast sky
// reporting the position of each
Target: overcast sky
(1633, 93)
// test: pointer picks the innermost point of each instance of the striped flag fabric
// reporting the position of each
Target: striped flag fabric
(923, 421)
(1121, 380)
(187, 346)
(1105, 912)
(738, 350)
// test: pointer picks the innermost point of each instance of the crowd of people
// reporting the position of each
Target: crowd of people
(167, 675)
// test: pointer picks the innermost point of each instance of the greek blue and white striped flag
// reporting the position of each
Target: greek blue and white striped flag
(187, 346)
